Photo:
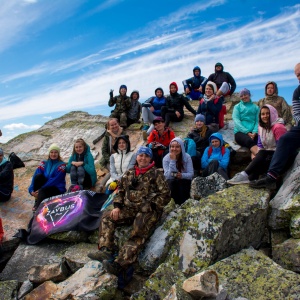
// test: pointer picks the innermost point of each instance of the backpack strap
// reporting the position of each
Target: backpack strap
(223, 150)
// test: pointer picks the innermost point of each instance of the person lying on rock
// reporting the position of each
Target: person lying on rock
(142, 195)
(49, 179)
(215, 157)
(6, 178)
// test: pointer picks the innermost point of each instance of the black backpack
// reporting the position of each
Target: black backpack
(15, 161)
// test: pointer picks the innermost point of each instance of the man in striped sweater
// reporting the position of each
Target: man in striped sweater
(287, 147)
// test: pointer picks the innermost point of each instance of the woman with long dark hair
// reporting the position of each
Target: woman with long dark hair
(178, 170)
(270, 129)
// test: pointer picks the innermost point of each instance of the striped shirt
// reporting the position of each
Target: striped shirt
(296, 105)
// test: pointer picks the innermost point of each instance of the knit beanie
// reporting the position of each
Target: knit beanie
(244, 92)
(212, 85)
(54, 147)
(1, 151)
(123, 86)
(175, 84)
(144, 150)
(200, 117)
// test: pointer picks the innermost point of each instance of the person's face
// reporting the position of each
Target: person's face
(196, 72)
(1, 157)
(297, 71)
(159, 93)
(114, 126)
(159, 126)
(134, 96)
(122, 145)
(265, 115)
(123, 91)
(199, 124)
(270, 89)
(208, 91)
(215, 143)
(245, 97)
(218, 68)
(173, 89)
(53, 154)
(79, 148)
(175, 148)
(143, 160)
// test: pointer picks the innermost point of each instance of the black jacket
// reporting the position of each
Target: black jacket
(177, 102)
(6, 177)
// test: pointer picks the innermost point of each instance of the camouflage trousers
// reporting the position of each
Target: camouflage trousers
(122, 117)
(143, 223)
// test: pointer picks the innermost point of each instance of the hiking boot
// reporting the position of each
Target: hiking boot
(265, 182)
(112, 267)
(145, 135)
(239, 178)
(101, 255)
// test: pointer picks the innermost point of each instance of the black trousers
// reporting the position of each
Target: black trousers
(180, 189)
(170, 116)
(45, 192)
(213, 167)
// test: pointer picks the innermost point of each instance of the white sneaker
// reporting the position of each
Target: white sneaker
(239, 178)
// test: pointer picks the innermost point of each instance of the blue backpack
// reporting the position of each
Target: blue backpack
(190, 146)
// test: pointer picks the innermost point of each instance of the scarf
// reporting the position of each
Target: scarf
(142, 171)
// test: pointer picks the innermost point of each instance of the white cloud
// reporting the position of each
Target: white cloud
(253, 54)
(16, 126)
(47, 117)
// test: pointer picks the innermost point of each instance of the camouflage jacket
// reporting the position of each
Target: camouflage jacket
(146, 192)
(123, 104)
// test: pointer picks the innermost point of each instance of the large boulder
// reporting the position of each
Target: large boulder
(253, 275)
(200, 233)
(287, 254)
(286, 204)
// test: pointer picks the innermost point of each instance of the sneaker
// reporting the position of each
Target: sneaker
(145, 127)
(101, 255)
(239, 178)
(265, 182)
(112, 267)
(145, 135)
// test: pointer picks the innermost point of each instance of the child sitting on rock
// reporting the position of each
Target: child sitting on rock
(81, 166)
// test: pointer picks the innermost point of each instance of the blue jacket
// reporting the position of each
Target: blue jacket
(195, 81)
(216, 153)
(245, 117)
(54, 171)
(169, 165)
(157, 103)
(89, 165)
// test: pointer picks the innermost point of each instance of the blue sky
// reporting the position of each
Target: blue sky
(62, 55)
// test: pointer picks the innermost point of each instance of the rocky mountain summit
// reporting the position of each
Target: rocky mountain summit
(222, 243)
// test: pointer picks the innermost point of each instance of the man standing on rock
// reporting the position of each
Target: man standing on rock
(287, 147)
(142, 195)
(6, 178)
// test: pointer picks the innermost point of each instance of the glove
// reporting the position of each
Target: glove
(111, 93)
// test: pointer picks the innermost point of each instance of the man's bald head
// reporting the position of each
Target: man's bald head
(297, 71)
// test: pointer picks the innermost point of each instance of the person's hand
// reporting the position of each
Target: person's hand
(152, 109)
(187, 90)
(77, 163)
(179, 175)
(172, 155)
(115, 214)
(111, 93)
(0, 133)
(177, 114)
(35, 194)
(212, 97)
(251, 135)
(200, 89)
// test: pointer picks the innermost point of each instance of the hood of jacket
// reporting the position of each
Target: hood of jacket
(218, 136)
(135, 91)
(275, 88)
(222, 67)
(160, 89)
(197, 68)
(273, 115)
(124, 138)
(181, 143)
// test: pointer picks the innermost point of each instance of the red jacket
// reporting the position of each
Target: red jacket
(164, 139)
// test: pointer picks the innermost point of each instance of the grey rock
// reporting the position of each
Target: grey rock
(27, 256)
(295, 226)
(287, 254)
(25, 288)
(9, 289)
(204, 186)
